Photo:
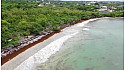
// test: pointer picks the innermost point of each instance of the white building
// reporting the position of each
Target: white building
(110, 10)
(41, 5)
(103, 8)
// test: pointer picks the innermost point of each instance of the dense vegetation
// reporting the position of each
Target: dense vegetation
(26, 18)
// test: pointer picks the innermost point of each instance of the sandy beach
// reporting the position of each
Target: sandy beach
(40, 52)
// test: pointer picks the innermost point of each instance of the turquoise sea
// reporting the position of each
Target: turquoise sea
(100, 47)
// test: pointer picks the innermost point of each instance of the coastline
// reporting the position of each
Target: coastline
(15, 53)
(83, 47)
(44, 54)
(10, 56)
(36, 45)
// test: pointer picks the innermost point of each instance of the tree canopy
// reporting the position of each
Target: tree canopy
(26, 18)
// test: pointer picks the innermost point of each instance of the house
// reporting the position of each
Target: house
(91, 3)
(114, 7)
(48, 2)
(54, 5)
(109, 10)
(103, 8)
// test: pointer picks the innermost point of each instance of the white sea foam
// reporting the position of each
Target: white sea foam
(85, 22)
(43, 55)
(85, 29)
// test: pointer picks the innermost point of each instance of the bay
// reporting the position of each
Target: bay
(97, 46)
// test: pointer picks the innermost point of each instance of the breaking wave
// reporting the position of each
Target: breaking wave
(43, 55)
(85, 29)
(85, 22)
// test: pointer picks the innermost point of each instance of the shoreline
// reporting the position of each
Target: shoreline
(18, 61)
(45, 53)
(15, 53)
(52, 48)
(8, 57)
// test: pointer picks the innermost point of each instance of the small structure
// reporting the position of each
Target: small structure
(91, 3)
(109, 10)
(103, 8)
(41, 5)
(77, 4)
(54, 5)
(114, 7)
(88, 4)
(48, 3)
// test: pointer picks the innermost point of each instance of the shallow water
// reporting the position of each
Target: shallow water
(97, 46)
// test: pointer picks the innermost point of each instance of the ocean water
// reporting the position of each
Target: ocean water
(97, 46)
(45, 53)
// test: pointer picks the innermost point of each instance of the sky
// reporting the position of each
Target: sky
(92, 0)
